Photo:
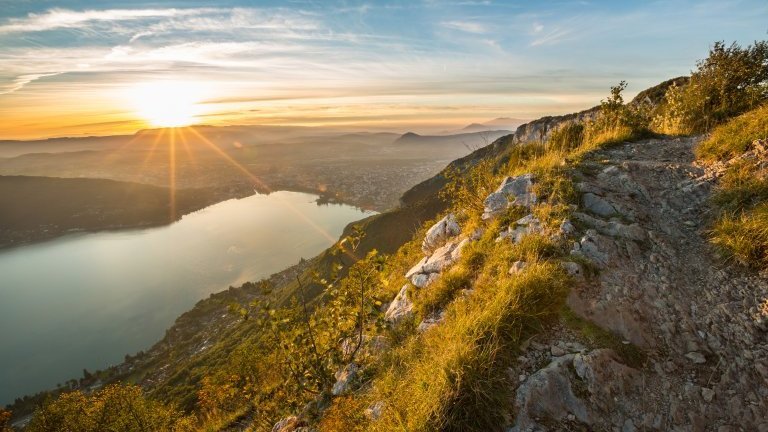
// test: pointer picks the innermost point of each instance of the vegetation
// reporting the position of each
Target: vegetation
(730, 81)
(741, 198)
(116, 407)
(282, 356)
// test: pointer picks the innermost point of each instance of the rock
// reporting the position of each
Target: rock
(629, 426)
(556, 351)
(517, 267)
(401, 307)
(444, 229)
(612, 228)
(521, 228)
(345, 378)
(548, 394)
(512, 191)
(589, 247)
(456, 253)
(572, 268)
(696, 357)
(430, 322)
(418, 268)
(374, 411)
(707, 393)
(421, 280)
(440, 260)
(597, 205)
(567, 228)
(288, 424)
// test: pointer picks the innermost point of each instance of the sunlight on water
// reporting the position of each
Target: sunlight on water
(84, 301)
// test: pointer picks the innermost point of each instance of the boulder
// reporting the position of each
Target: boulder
(400, 308)
(512, 191)
(444, 229)
(548, 394)
(431, 321)
(345, 378)
(597, 205)
(418, 268)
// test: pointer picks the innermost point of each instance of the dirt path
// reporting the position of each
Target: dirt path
(661, 286)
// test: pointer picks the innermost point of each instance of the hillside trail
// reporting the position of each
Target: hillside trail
(703, 322)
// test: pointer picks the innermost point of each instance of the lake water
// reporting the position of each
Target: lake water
(84, 301)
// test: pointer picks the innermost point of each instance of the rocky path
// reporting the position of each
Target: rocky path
(661, 286)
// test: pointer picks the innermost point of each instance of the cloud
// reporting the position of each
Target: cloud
(553, 37)
(23, 80)
(465, 26)
(63, 18)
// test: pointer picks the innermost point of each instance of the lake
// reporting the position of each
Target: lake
(86, 300)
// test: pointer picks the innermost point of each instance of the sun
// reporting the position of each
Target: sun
(167, 103)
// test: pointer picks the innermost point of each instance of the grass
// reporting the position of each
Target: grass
(733, 138)
(744, 236)
(453, 378)
(740, 229)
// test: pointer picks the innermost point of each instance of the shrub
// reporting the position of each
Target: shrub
(730, 81)
(116, 407)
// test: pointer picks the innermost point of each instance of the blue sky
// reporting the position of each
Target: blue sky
(66, 66)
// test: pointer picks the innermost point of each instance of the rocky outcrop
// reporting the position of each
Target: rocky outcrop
(513, 191)
(444, 229)
(590, 389)
(401, 307)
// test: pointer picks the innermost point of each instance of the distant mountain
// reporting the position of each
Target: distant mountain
(505, 123)
(468, 139)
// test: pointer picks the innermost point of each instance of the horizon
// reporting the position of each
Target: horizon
(74, 70)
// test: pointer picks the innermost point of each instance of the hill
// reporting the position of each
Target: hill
(37, 208)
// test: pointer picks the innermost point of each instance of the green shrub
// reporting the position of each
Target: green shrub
(730, 81)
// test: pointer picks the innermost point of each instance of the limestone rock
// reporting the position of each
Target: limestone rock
(444, 229)
(440, 260)
(573, 269)
(521, 228)
(548, 394)
(345, 379)
(400, 308)
(512, 191)
(597, 205)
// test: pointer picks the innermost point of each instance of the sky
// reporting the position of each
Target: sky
(90, 67)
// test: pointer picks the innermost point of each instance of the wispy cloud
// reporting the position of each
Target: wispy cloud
(21, 81)
(466, 26)
(63, 18)
(552, 37)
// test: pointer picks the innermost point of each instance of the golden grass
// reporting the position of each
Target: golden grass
(733, 138)
(744, 237)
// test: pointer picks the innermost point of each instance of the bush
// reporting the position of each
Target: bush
(115, 407)
(730, 81)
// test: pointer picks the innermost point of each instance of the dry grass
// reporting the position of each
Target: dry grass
(744, 237)
(733, 138)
